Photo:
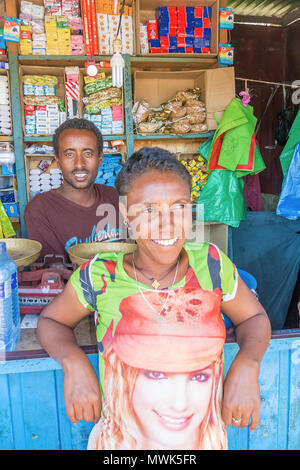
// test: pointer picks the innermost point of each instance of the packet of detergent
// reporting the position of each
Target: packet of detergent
(226, 52)
(226, 18)
(5, 224)
(12, 29)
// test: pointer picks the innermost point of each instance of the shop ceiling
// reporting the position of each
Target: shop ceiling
(280, 12)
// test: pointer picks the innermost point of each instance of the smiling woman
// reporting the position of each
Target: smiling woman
(159, 326)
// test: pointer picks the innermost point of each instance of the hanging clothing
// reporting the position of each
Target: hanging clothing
(234, 147)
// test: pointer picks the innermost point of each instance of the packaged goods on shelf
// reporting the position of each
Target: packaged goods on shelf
(178, 29)
(152, 89)
(226, 54)
(40, 181)
(182, 114)
(226, 18)
(198, 171)
(44, 111)
(110, 167)
(5, 112)
(7, 154)
(144, 44)
(72, 91)
(107, 26)
(90, 27)
(8, 184)
(11, 29)
(103, 104)
(56, 28)
(2, 43)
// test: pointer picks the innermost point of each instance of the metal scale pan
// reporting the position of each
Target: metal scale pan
(22, 250)
(83, 252)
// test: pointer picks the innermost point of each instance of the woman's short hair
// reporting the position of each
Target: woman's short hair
(147, 159)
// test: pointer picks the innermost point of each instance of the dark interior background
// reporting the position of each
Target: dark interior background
(268, 53)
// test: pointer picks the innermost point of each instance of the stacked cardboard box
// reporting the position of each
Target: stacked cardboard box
(179, 29)
(107, 25)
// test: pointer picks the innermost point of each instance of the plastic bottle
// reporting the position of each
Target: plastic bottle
(9, 302)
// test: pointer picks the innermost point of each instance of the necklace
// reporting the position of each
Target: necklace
(156, 282)
(145, 298)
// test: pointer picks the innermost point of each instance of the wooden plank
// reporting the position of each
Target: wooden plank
(294, 397)
(39, 393)
(128, 106)
(264, 437)
(64, 423)
(17, 417)
(12, 51)
(49, 138)
(6, 431)
(18, 137)
(204, 135)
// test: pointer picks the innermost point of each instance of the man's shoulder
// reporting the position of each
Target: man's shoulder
(40, 202)
(107, 193)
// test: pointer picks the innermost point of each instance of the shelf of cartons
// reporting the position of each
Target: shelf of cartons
(167, 63)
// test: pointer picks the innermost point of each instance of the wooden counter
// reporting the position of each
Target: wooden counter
(32, 409)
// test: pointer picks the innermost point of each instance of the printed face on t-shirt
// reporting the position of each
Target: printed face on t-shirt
(78, 157)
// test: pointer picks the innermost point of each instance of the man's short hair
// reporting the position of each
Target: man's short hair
(81, 125)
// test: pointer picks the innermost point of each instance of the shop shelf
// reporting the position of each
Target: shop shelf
(204, 135)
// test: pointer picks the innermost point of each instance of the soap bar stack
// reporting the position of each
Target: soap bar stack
(108, 171)
(5, 116)
(41, 182)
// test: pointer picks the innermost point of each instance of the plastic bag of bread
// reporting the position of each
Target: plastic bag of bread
(149, 127)
(185, 95)
(197, 118)
(198, 128)
(180, 127)
(195, 102)
(191, 110)
(178, 111)
(140, 111)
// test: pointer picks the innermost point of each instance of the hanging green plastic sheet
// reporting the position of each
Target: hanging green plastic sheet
(231, 154)
(233, 146)
(288, 151)
(222, 199)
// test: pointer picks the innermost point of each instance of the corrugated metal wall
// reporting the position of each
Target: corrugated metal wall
(275, 8)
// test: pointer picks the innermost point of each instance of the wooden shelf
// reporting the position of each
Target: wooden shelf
(49, 138)
(204, 135)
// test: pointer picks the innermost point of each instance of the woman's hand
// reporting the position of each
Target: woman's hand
(55, 332)
(81, 391)
(241, 401)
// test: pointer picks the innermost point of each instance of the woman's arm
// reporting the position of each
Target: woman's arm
(55, 332)
(253, 331)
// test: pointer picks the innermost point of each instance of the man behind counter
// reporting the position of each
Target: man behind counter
(79, 211)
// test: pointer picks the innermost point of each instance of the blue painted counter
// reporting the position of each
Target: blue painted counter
(33, 417)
